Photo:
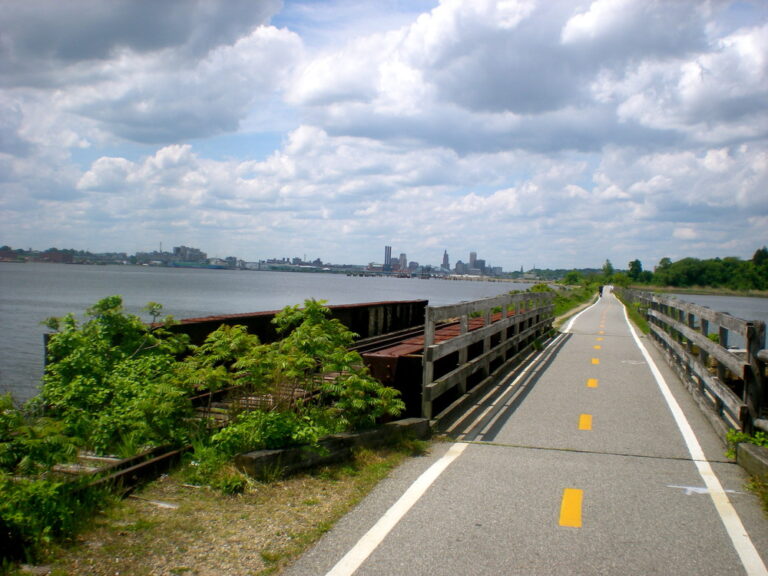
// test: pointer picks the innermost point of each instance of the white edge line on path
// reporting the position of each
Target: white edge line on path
(572, 320)
(750, 558)
(531, 363)
(370, 541)
(491, 392)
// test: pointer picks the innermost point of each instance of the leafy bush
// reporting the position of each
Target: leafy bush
(110, 381)
(115, 385)
(211, 366)
(259, 430)
(34, 511)
(30, 445)
(319, 387)
(313, 358)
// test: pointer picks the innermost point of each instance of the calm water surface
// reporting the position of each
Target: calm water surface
(741, 307)
(30, 293)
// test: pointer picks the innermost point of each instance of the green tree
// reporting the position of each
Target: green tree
(635, 270)
(608, 270)
(760, 257)
(572, 278)
(661, 272)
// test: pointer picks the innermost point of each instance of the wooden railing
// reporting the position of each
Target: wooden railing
(493, 333)
(729, 383)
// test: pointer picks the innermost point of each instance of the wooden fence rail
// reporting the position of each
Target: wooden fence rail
(493, 333)
(729, 383)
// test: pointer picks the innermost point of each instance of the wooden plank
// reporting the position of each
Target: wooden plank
(538, 313)
(722, 355)
(460, 374)
(715, 387)
(537, 300)
(719, 318)
(442, 349)
(456, 344)
(448, 381)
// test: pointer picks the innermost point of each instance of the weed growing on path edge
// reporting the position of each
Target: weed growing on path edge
(760, 487)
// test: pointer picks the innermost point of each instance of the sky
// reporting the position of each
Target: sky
(549, 133)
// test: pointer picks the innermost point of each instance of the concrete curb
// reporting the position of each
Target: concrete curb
(754, 459)
(335, 448)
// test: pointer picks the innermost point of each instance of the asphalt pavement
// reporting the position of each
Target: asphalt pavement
(592, 460)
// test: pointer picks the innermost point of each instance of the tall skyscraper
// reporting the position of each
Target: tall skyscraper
(446, 262)
(403, 262)
(472, 259)
(387, 258)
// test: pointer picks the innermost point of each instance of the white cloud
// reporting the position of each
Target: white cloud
(685, 233)
(636, 128)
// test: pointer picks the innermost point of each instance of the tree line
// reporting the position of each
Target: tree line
(730, 273)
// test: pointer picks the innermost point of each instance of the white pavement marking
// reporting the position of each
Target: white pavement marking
(370, 541)
(527, 362)
(698, 489)
(750, 558)
(532, 366)
(570, 324)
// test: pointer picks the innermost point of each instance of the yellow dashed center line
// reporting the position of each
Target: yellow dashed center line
(570, 508)
(597, 347)
(595, 361)
(592, 383)
(585, 422)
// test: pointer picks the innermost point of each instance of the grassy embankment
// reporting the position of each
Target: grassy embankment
(170, 527)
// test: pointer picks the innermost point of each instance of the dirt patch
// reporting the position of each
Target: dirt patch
(171, 528)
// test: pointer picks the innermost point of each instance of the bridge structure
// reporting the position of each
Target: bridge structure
(594, 455)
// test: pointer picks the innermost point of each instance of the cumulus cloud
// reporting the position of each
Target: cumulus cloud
(40, 37)
(637, 128)
(143, 71)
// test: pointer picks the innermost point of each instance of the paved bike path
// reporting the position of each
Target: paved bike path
(575, 466)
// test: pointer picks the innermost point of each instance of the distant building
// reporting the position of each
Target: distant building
(187, 254)
(387, 259)
(403, 264)
(446, 262)
(473, 259)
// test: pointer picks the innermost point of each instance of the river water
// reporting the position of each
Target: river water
(31, 293)
(746, 308)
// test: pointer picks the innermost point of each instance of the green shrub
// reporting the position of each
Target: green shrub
(110, 381)
(258, 430)
(35, 511)
(30, 445)
(115, 385)
(319, 377)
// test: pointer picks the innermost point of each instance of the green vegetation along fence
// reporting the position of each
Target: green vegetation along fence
(493, 334)
(729, 383)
